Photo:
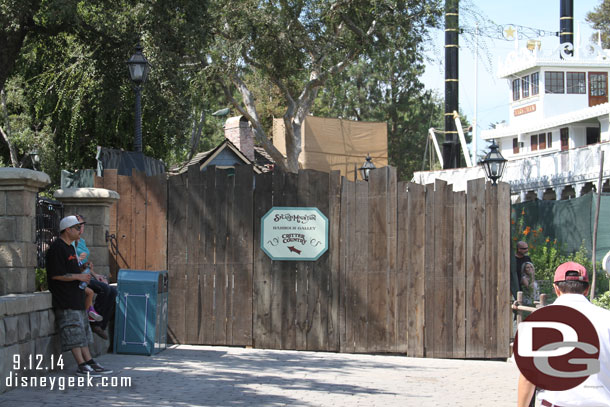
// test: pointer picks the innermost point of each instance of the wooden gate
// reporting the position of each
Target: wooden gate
(412, 269)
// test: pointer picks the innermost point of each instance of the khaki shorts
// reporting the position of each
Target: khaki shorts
(74, 329)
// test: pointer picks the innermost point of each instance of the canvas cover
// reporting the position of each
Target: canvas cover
(337, 144)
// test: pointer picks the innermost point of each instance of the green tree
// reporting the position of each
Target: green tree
(599, 18)
(298, 46)
(72, 81)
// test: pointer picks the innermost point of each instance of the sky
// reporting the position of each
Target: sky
(492, 92)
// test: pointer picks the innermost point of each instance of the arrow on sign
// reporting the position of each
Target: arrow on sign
(294, 249)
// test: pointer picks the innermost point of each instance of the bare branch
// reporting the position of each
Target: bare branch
(252, 116)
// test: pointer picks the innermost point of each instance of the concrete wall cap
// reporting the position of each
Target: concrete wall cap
(23, 176)
(86, 195)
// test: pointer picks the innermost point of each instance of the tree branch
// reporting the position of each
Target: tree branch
(252, 116)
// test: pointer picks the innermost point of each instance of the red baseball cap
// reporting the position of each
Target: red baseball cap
(560, 273)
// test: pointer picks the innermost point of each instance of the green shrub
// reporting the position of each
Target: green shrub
(603, 300)
(546, 255)
(41, 280)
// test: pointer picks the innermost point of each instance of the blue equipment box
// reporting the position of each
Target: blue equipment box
(140, 323)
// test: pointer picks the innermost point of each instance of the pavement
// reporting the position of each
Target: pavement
(185, 375)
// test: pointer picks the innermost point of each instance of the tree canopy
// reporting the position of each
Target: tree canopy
(66, 89)
(600, 20)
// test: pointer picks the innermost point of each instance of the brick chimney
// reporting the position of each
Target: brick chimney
(239, 132)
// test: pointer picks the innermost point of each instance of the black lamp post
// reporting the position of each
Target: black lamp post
(366, 168)
(494, 163)
(138, 71)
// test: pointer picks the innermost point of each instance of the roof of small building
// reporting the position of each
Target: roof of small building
(262, 161)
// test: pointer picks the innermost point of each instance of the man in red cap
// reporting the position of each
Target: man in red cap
(571, 284)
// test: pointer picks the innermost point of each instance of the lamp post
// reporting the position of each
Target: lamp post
(138, 71)
(366, 168)
(494, 163)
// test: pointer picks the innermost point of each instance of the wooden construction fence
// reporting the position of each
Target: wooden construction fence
(412, 269)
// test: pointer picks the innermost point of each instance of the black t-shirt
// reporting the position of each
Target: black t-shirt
(61, 259)
(519, 264)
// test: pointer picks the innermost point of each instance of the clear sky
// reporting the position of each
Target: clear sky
(492, 91)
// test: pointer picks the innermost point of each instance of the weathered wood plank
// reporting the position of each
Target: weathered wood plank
(176, 220)
(277, 271)
(459, 275)
(490, 301)
(392, 230)
(287, 272)
(207, 284)
(125, 223)
(176, 304)
(156, 223)
(241, 255)
(334, 259)
(359, 278)
(318, 283)
(110, 182)
(475, 263)
(242, 305)
(347, 238)
(402, 268)
(429, 267)
(138, 219)
(503, 268)
(220, 304)
(443, 269)
(415, 249)
(378, 284)
(261, 288)
(304, 269)
(193, 212)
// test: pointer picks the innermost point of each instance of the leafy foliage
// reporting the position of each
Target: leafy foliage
(546, 255)
(599, 18)
(296, 48)
(603, 300)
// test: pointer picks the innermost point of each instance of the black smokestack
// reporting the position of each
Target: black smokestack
(566, 22)
(450, 146)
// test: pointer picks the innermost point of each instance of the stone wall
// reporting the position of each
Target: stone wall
(27, 319)
(27, 330)
(18, 189)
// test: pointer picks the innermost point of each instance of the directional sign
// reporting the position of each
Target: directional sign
(294, 233)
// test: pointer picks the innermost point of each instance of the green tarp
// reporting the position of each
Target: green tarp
(570, 221)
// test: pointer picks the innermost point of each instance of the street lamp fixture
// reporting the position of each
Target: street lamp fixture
(366, 168)
(138, 71)
(494, 163)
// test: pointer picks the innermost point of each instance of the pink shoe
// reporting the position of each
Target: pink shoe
(93, 315)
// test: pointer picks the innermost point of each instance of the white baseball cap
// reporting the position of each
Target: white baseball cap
(67, 222)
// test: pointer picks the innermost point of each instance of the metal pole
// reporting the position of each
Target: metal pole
(450, 146)
(594, 245)
(475, 132)
(137, 143)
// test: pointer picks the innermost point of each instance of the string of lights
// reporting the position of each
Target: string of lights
(507, 32)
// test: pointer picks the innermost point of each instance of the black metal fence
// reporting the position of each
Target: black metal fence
(48, 215)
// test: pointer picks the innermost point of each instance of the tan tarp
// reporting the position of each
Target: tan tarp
(336, 144)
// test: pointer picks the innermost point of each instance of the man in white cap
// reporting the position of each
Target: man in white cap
(571, 284)
(64, 277)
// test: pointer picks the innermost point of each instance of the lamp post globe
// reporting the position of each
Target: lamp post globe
(366, 168)
(138, 72)
(494, 163)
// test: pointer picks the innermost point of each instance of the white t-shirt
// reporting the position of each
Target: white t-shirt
(595, 391)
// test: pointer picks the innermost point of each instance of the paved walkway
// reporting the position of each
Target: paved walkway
(222, 376)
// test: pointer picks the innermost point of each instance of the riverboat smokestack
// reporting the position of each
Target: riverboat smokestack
(566, 22)
(451, 146)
